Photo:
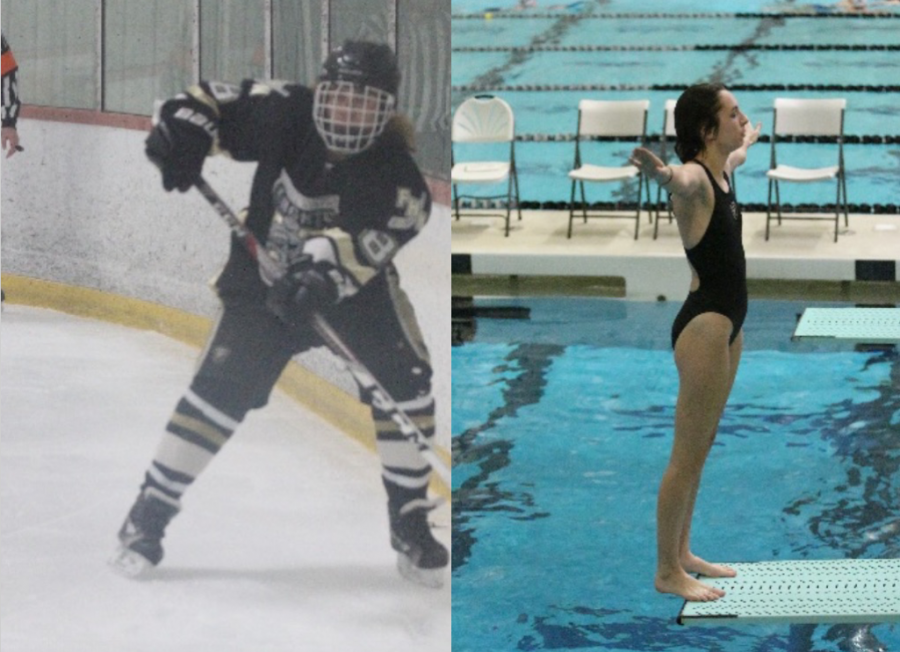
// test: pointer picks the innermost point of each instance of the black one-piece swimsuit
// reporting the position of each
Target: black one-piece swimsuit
(720, 264)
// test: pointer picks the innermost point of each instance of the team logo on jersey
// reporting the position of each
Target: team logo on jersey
(314, 213)
(735, 212)
(411, 211)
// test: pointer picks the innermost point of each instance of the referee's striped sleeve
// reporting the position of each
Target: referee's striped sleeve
(10, 86)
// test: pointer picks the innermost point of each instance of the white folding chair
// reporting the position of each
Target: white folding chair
(794, 117)
(616, 119)
(485, 119)
(668, 134)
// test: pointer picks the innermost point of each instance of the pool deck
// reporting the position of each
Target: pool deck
(796, 251)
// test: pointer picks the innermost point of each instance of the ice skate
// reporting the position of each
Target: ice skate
(420, 557)
(140, 537)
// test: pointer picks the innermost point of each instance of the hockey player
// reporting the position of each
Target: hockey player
(335, 196)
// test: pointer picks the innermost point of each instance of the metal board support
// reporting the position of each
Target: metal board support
(817, 592)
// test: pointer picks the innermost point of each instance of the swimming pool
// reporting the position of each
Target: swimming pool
(562, 428)
(543, 62)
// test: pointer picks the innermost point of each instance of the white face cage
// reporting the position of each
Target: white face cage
(349, 117)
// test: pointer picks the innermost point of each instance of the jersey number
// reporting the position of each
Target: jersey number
(412, 211)
(378, 247)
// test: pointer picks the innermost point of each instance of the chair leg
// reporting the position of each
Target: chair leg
(837, 210)
(778, 201)
(506, 221)
(658, 200)
(637, 216)
(656, 224)
(518, 200)
(668, 210)
(583, 201)
(509, 183)
(649, 210)
(846, 207)
(455, 202)
(769, 210)
(571, 209)
(838, 206)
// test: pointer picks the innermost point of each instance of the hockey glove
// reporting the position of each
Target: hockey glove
(305, 288)
(180, 141)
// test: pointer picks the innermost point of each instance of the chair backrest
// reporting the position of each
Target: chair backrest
(483, 119)
(669, 119)
(668, 131)
(612, 118)
(795, 117)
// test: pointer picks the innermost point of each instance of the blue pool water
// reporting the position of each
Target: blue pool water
(561, 431)
(660, 6)
(873, 168)
(640, 67)
(620, 30)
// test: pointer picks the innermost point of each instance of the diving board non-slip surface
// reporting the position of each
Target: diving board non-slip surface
(832, 591)
(875, 325)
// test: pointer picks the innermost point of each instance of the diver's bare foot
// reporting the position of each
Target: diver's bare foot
(680, 583)
(694, 564)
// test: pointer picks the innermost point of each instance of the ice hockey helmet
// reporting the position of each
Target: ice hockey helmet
(365, 63)
(356, 95)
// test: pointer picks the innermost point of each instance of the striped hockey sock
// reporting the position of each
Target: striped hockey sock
(194, 434)
(402, 467)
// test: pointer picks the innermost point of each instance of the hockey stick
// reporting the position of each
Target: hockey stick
(381, 399)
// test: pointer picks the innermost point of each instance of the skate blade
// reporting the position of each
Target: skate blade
(433, 578)
(128, 563)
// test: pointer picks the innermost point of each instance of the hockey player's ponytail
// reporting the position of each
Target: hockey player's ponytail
(400, 129)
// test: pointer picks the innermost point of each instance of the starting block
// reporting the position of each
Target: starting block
(870, 325)
(812, 592)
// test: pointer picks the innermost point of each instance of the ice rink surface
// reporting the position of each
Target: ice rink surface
(282, 543)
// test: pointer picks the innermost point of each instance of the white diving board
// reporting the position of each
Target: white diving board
(869, 325)
(831, 591)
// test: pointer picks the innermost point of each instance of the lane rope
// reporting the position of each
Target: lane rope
(680, 48)
(875, 15)
(542, 88)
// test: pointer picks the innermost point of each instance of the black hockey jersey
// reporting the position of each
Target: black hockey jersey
(369, 204)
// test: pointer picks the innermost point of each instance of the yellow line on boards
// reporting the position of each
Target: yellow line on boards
(314, 393)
